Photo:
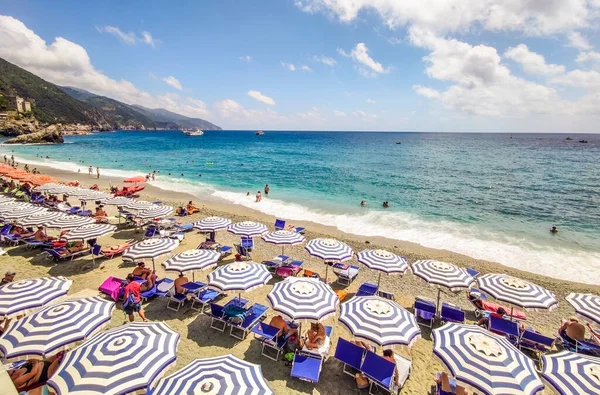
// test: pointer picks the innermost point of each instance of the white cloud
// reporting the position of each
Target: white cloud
(305, 68)
(363, 115)
(289, 66)
(367, 66)
(371, 101)
(338, 113)
(130, 37)
(325, 60)
(174, 82)
(256, 95)
(66, 63)
(426, 92)
(534, 17)
(592, 58)
(533, 63)
(576, 40)
(246, 58)
(313, 113)
(395, 40)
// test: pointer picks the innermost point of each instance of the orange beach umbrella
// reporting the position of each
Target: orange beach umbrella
(135, 179)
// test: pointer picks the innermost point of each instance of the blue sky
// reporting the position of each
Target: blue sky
(357, 65)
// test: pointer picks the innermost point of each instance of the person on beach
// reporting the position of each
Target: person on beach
(443, 381)
(314, 337)
(179, 281)
(152, 176)
(90, 170)
(34, 372)
(98, 172)
(485, 321)
(267, 189)
(284, 329)
(5, 159)
(572, 330)
(9, 277)
(141, 271)
(258, 196)
(133, 288)
(40, 235)
(100, 214)
(191, 209)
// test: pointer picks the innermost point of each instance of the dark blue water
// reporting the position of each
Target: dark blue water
(491, 196)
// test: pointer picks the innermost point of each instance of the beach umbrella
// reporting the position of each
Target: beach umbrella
(570, 373)
(484, 362)
(517, 292)
(23, 211)
(192, 260)
(69, 222)
(122, 360)
(380, 321)
(48, 186)
(10, 205)
(212, 224)
(383, 261)
(56, 327)
(586, 305)
(443, 274)
(329, 250)
(283, 238)
(248, 229)
(76, 191)
(135, 180)
(90, 231)
(40, 218)
(6, 199)
(155, 212)
(95, 195)
(140, 205)
(224, 374)
(117, 200)
(150, 249)
(23, 296)
(303, 298)
(239, 276)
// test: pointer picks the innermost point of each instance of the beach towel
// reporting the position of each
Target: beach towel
(493, 307)
(112, 287)
(235, 312)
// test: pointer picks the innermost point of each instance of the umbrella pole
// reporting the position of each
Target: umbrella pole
(326, 272)
(379, 280)
(153, 267)
(438, 301)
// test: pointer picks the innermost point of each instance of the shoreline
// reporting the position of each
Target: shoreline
(413, 251)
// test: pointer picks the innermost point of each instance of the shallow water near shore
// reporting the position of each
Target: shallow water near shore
(489, 196)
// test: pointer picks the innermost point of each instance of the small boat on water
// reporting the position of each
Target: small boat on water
(398, 142)
(569, 138)
(193, 132)
(583, 141)
(259, 133)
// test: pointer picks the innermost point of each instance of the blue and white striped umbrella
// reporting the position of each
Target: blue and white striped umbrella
(248, 229)
(192, 260)
(139, 205)
(117, 201)
(78, 192)
(484, 362)
(119, 361)
(383, 261)
(47, 186)
(569, 373)
(56, 328)
(150, 249)
(212, 224)
(330, 250)
(586, 305)
(40, 218)
(6, 199)
(218, 375)
(90, 231)
(303, 298)
(283, 238)
(517, 292)
(23, 211)
(94, 195)
(69, 222)
(441, 273)
(380, 321)
(239, 276)
(23, 296)
(8, 206)
(155, 212)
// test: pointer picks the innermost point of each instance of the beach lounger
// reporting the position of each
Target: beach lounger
(217, 317)
(201, 300)
(503, 327)
(535, 342)
(350, 355)
(425, 311)
(163, 286)
(276, 262)
(485, 306)
(152, 231)
(452, 313)
(185, 227)
(581, 347)
(306, 367)
(242, 252)
(112, 287)
(367, 289)
(280, 225)
(322, 351)
(175, 299)
(345, 277)
(255, 314)
(116, 250)
(379, 370)
(267, 335)
(472, 272)
(386, 295)
(84, 213)
(74, 210)
(59, 255)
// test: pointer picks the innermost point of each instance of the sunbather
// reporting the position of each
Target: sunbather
(595, 333)
(315, 336)
(364, 345)
(100, 214)
(9, 277)
(284, 329)
(443, 381)
(179, 282)
(141, 271)
(40, 235)
(191, 209)
(485, 321)
(20, 231)
(78, 246)
(34, 372)
(572, 330)
(389, 355)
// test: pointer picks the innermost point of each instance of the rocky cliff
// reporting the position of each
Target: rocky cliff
(50, 135)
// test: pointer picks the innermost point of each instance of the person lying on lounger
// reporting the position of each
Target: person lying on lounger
(284, 329)
(443, 381)
(19, 230)
(179, 282)
(191, 209)
(141, 271)
(40, 235)
(315, 336)
(100, 213)
(484, 322)
(77, 247)
(34, 372)
(572, 330)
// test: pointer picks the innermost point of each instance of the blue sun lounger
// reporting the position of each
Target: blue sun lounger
(367, 289)
(280, 225)
(307, 363)
(350, 355)
(204, 298)
(425, 310)
(267, 335)
(379, 370)
(452, 313)
(217, 317)
(345, 277)
(255, 314)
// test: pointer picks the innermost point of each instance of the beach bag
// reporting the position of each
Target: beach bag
(130, 300)
(235, 312)
(289, 358)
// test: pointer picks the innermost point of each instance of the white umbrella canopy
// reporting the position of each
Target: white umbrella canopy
(90, 231)
(150, 249)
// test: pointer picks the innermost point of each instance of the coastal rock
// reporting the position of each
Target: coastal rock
(47, 136)
(16, 126)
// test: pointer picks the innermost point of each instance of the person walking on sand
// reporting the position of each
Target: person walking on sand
(134, 304)
(267, 189)
(90, 170)
(97, 172)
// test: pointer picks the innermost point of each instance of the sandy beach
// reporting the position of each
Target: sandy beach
(198, 340)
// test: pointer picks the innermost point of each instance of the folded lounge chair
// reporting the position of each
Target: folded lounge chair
(504, 327)
(241, 328)
(425, 311)
(218, 320)
(367, 289)
(380, 371)
(452, 313)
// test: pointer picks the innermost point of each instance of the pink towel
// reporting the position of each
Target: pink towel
(493, 307)
(111, 286)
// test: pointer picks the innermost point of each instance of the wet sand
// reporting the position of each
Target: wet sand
(198, 340)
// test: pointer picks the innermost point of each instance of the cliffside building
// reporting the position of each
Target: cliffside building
(19, 104)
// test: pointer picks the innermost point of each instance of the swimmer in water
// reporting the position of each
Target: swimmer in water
(363, 202)
(386, 204)
(553, 229)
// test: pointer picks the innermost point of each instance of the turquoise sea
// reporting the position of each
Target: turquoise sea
(489, 196)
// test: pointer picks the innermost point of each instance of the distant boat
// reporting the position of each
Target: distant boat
(259, 133)
(569, 138)
(193, 132)
(398, 142)
(583, 141)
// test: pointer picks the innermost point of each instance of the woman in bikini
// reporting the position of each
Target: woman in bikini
(34, 372)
